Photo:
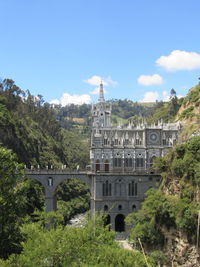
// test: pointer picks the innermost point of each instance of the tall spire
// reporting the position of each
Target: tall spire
(101, 93)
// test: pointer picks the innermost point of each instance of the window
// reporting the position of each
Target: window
(105, 141)
(120, 207)
(138, 142)
(164, 142)
(139, 162)
(132, 189)
(97, 167)
(117, 162)
(106, 188)
(128, 162)
(50, 181)
(126, 142)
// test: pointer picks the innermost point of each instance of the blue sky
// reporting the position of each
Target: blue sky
(62, 49)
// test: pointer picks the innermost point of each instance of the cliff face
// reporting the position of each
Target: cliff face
(189, 113)
(178, 250)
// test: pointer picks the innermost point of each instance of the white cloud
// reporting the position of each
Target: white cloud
(68, 99)
(150, 97)
(153, 96)
(110, 81)
(55, 102)
(165, 96)
(150, 79)
(96, 80)
(179, 60)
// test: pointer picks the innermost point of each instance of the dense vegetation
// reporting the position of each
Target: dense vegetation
(178, 208)
(28, 127)
(92, 245)
(34, 131)
(191, 103)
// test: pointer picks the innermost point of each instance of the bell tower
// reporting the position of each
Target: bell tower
(101, 112)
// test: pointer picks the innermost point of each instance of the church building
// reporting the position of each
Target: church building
(121, 159)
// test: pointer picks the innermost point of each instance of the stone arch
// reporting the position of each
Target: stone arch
(51, 180)
(120, 223)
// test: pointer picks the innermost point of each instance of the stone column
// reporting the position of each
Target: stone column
(50, 203)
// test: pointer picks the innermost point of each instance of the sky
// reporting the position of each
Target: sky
(62, 49)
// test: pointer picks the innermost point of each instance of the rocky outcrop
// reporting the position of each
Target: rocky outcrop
(178, 250)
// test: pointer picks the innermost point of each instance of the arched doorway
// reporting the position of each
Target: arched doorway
(120, 223)
(97, 167)
(106, 166)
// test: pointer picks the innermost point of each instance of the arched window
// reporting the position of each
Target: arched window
(132, 189)
(97, 167)
(106, 189)
(50, 181)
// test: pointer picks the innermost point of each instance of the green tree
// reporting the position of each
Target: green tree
(10, 204)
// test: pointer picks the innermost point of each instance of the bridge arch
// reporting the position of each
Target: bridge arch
(50, 180)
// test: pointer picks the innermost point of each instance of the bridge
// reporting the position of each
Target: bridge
(50, 179)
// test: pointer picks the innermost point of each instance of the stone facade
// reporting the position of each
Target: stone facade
(121, 161)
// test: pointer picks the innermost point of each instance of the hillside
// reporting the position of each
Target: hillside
(28, 128)
(189, 113)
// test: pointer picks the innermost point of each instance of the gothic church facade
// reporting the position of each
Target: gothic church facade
(122, 158)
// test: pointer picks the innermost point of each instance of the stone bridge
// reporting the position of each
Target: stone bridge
(50, 179)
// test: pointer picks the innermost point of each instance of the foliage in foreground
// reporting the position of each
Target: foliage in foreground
(92, 245)
(179, 209)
